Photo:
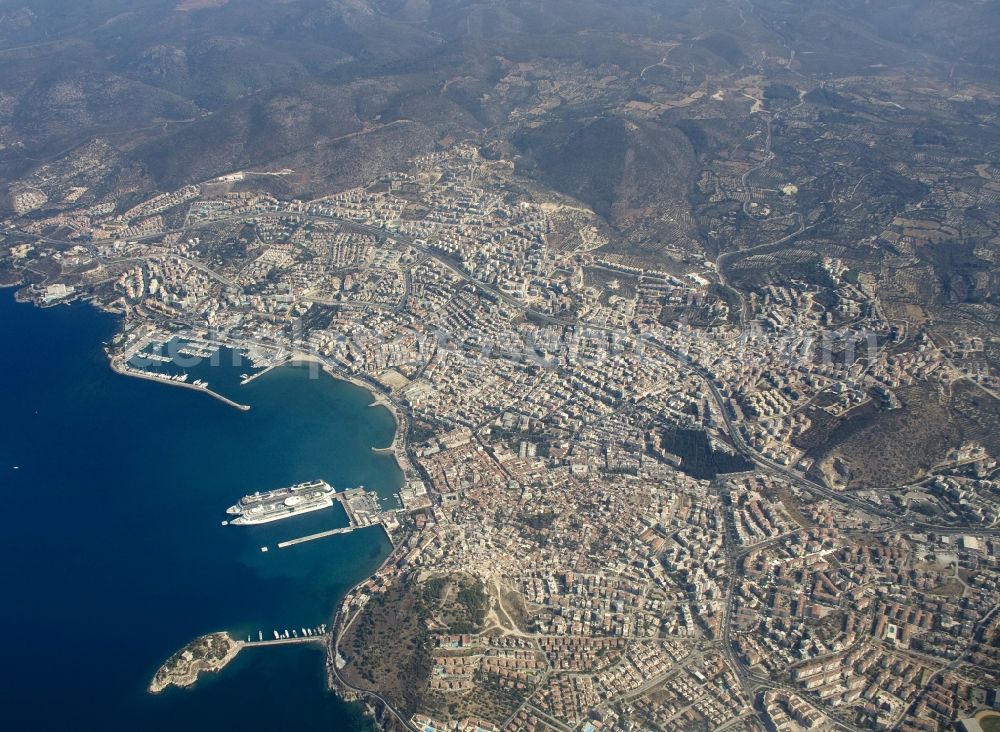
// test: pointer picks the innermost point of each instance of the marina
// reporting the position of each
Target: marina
(126, 369)
(287, 637)
(175, 357)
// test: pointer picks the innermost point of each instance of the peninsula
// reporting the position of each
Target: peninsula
(206, 654)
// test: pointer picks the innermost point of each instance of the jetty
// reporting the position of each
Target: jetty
(284, 641)
(247, 378)
(287, 637)
(362, 511)
(126, 370)
(213, 652)
(320, 535)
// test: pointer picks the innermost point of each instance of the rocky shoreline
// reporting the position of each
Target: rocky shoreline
(205, 654)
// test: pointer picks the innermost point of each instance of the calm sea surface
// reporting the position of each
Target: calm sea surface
(112, 555)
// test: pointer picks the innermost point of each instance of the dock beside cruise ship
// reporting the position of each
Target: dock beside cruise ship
(360, 506)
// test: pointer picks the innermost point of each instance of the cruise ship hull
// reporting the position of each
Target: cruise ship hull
(262, 508)
(248, 521)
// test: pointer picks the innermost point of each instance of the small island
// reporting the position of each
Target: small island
(208, 653)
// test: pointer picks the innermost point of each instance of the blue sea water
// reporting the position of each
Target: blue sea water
(112, 556)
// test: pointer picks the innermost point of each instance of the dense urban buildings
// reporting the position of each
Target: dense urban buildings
(708, 449)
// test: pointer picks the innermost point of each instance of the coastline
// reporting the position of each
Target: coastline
(335, 682)
(185, 673)
(335, 662)
(183, 668)
(119, 368)
(398, 445)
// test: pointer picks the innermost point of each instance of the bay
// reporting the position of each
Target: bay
(112, 553)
